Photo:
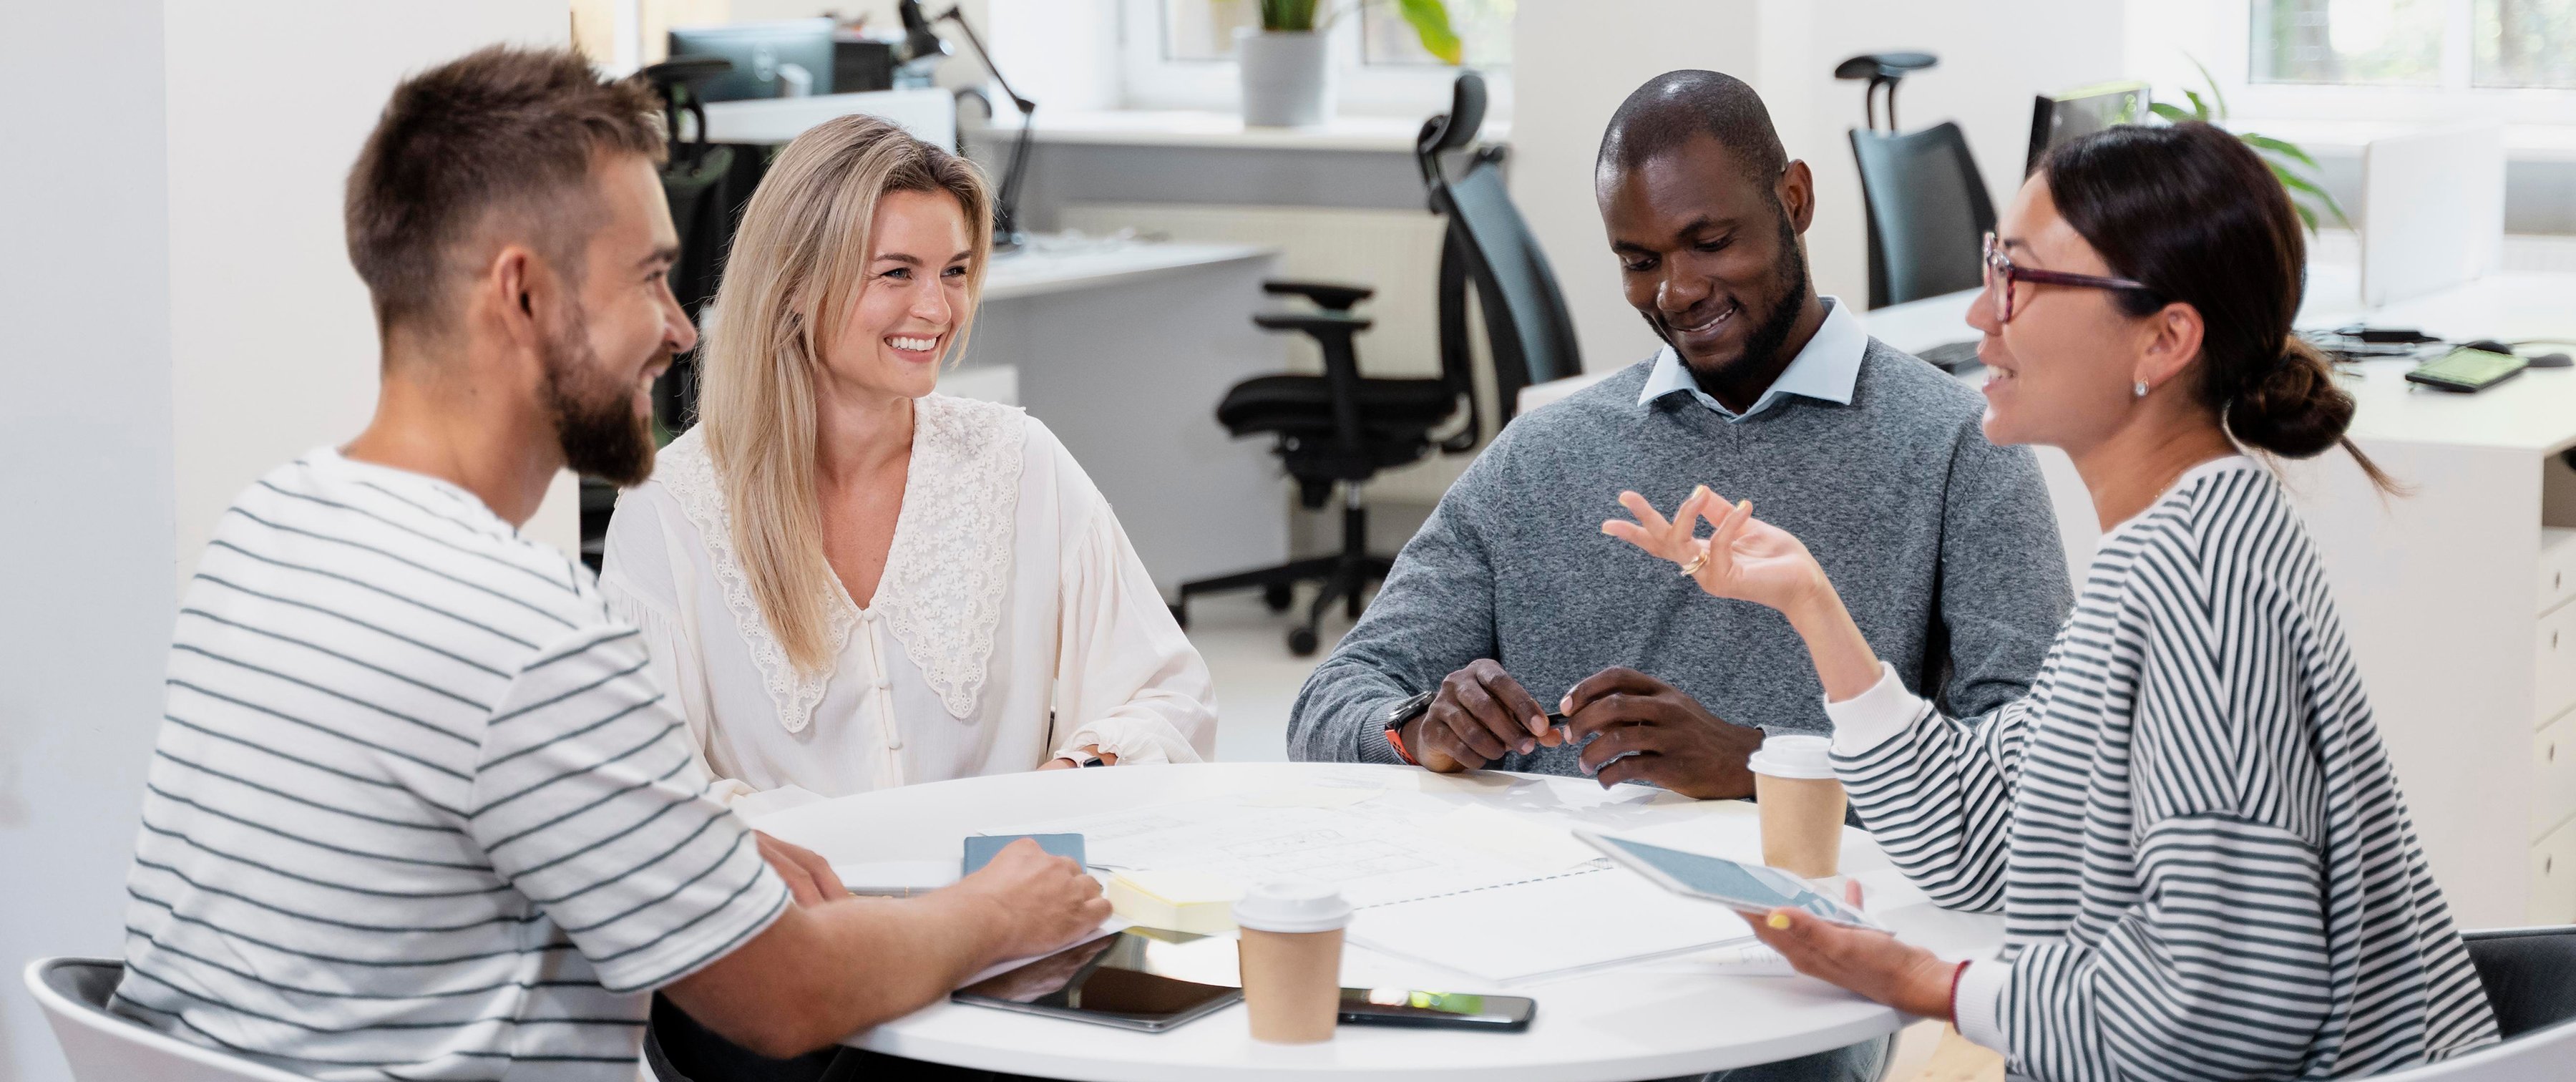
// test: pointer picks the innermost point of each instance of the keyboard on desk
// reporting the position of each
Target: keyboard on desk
(1951, 356)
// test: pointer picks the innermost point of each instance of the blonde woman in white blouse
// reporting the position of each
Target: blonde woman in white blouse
(849, 582)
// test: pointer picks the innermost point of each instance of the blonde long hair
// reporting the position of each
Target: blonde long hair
(798, 265)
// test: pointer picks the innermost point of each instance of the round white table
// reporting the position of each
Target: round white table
(1649, 1020)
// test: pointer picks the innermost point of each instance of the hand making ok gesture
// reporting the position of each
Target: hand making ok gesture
(1751, 560)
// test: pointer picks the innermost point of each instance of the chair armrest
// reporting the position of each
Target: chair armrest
(1314, 323)
(1339, 298)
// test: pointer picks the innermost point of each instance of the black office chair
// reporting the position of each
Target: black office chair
(1341, 428)
(1928, 212)
(700, 183)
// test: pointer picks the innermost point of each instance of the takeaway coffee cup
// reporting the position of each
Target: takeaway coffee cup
(1802, 804)
(1292, 959)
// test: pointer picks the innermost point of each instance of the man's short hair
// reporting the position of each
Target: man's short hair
(501, 131)
(1676, 106)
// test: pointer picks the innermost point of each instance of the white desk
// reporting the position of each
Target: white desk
(2439, 589)
(1123, 350)
(929, 113)
(1650, 1020)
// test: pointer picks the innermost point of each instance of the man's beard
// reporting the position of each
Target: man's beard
(592, 412)
(1789, 275)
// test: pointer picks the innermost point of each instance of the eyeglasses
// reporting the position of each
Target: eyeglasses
(2000, 266)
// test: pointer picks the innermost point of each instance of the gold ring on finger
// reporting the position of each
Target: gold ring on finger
(1696, 562)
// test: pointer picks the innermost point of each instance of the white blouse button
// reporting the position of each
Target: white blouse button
(884, 683)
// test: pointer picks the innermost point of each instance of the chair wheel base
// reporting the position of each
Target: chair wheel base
(1301, 641)
(1278, 596)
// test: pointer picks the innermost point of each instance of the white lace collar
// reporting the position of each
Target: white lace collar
(941, 593)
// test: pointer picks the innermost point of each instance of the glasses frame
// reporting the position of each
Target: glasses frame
(1997, 264)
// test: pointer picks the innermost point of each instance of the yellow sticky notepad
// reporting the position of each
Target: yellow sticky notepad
(1182, 901)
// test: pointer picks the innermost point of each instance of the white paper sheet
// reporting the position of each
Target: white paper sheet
(1470, 888)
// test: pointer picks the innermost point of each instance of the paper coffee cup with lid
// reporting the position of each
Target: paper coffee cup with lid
(1291, 952)
(1801, 801)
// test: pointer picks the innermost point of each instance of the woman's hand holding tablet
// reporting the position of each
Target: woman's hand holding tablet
(1821, 937)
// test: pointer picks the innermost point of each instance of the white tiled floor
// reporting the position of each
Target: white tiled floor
(1246, 647)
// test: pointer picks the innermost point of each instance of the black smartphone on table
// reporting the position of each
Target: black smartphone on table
(1443, 1010)
(2468, 370)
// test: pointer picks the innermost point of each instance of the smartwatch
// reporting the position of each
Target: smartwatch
(1402, 714)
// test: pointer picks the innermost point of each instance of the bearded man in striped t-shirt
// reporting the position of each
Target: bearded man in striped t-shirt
(417, 809)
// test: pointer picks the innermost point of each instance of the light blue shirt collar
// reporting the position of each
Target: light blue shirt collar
(1825, 370)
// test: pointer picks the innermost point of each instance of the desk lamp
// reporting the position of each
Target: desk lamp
(922, 52)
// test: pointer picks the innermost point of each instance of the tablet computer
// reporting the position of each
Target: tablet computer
(1754, 887)
(1134, 979)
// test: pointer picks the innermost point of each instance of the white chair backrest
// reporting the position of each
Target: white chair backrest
(104, 1047)
(2547, 1055)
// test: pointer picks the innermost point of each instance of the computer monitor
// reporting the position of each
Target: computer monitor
(757, 50)
(2056, 118)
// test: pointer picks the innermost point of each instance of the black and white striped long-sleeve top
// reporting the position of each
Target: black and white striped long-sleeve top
(2205, 865)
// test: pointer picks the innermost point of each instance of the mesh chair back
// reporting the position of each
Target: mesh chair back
(1928, 212)
(1527, 327)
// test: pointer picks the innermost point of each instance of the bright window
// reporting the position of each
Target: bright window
(2402, 62)
(1180, 54)
(2486, 44)
(2523, 43)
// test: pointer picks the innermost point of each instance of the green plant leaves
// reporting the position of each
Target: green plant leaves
(1290, 15)
(1430, 20)
(2304, 192)
(2306, 195)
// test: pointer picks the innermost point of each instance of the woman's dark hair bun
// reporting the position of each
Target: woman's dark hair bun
(2294, 410)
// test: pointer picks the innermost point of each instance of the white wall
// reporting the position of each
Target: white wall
(1573, 62)
(1576, 61)
(85, 557)
(182, 317)
(273, 348)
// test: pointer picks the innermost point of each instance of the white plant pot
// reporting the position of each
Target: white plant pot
(1287, 81)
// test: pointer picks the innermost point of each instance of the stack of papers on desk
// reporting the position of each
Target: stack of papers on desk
(1486, 893)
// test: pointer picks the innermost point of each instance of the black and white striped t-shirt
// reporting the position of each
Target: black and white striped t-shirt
(2204, 863)
(416, 809)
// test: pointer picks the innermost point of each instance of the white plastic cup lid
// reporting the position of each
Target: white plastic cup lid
(1787, 755)
(1292, 905)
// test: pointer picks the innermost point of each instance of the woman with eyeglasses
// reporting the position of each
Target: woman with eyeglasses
(2190, 825)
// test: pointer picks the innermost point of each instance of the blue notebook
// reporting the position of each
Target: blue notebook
(980, 848)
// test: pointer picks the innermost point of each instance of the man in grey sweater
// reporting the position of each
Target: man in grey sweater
(1511, 604)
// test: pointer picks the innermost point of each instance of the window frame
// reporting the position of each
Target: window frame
(1149, 80)
(2228, 52)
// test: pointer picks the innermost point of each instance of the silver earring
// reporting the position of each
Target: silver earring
(2141, 389)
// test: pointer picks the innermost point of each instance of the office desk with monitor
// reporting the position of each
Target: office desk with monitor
(2454, 595)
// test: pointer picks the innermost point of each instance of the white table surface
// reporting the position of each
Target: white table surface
(1650, 1020)
(1055, 264)
(2530, 412)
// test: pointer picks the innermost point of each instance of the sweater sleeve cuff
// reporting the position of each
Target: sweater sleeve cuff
(1980, 1004)
(1870, 718)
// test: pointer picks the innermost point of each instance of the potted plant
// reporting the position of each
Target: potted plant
(2308, 195)
(1286, 66)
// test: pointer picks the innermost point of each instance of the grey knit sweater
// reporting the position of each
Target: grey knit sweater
(1942, 545)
